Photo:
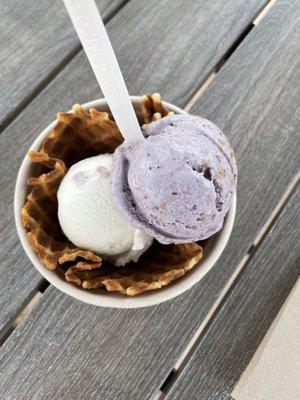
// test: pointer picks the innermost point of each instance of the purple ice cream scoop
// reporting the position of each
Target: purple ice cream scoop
(177, 184)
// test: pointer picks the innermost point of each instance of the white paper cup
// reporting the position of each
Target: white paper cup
(212, 250)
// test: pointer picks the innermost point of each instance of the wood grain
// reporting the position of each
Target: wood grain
(230, 342)
(181, 42)
(137, 33)
(36, 40)
(169, 45)
(84, 352)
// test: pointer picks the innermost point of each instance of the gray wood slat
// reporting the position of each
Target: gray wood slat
(36, 39)
(167, 44)
(70, 349)
(137, 32)
(230, 342)
(181, 41)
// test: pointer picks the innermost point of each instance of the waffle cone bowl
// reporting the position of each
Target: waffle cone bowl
(76, 136)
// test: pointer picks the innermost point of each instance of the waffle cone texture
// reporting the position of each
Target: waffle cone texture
(76, 136)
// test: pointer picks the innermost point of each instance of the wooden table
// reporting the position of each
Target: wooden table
(235, 62)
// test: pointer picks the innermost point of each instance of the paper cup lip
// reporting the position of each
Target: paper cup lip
(213, 249)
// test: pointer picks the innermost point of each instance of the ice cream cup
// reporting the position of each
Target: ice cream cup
(212, 249)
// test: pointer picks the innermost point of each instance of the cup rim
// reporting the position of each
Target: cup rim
(116, 300)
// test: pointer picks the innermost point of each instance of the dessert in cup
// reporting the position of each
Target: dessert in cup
(124, 199)
(77, 228)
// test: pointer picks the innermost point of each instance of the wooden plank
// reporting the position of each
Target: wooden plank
(182, 41)
(76, 83)
(231, 340)
(82, 351)
(145, 37)
(36, 41)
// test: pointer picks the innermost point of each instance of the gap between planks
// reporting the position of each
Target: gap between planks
(32, 301)
(51, 75)
(215, 70)
(189, 350)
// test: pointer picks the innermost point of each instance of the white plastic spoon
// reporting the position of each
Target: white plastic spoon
(95, 41)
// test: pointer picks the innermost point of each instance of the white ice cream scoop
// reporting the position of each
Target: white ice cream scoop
(89, 217)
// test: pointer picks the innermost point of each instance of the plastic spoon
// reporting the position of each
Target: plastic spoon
(95, 41)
